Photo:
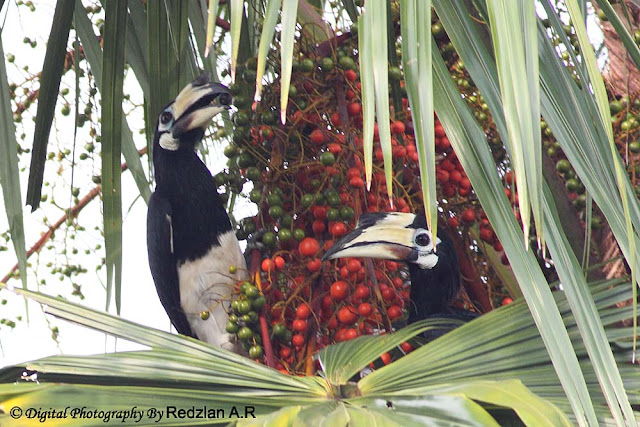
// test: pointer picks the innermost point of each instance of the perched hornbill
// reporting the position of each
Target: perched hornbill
(435, 275)
(190, 241)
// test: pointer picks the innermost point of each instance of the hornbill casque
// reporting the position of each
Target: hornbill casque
(190, 241)
(435, 275)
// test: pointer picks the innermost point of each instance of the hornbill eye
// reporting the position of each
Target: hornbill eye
(224, 99)
(166, 117)
(422, 239)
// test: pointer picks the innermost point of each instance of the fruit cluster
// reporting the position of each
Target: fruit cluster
(307, 180)
(308, 184)
(244, 317)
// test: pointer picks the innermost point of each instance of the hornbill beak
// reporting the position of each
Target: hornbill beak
(197, 104)
(379, 235)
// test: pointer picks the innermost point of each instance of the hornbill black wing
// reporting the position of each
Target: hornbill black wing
(163, 263)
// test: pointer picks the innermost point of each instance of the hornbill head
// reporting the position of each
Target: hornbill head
(435, 276)
(182, 123)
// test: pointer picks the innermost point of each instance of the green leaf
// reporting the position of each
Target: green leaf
(372, 417)
(148, 399)
(197, 12)
(430, 409)
(589, 145)
(167, 31)
(513, 27)
(365, 56)
(48, 95)
(394, 60)
(268, 30)
(216, 361)
(138, 14)
(112, 87)
(503, 272)
(136, 44)
(501, 345)
(576, 124)
(93, 54)
(377, 20)
(289, 14)
(416, 63)
(469, 143)
(590, 63)
(324, 414)
(343, 360)
(585, 311)
(513, 394)
(504, 345)
(9, 175)
(602, 102)
(236, 14)
(565, 129)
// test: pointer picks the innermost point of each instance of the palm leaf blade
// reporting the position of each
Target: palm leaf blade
(477, 160)
(418, 80)
(9, 174)
(112, 93)
(49, 83)
(93, 54)
(289, 13)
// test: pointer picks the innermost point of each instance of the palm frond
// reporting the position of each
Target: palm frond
(498, 360)
(48, 96)
(9, 175)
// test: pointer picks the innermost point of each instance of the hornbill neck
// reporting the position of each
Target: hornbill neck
(164, 160)
(173, 168)
(198, 216)
(433, 290)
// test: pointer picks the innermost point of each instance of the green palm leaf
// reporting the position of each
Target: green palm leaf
(112, 88)
(469, 142)
(93, 54)
(9, 176)
(289, 14)
(459, 379)
(513, 30)
(482, 69)
(418, 80)
(49, 85)
(372, 29)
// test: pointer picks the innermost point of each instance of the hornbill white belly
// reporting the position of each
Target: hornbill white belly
(435, 275)
(190, 241)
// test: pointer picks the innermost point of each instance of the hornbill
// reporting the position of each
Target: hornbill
(190, 241)
(435, 275)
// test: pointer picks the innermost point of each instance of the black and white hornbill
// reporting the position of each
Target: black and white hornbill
(435, 275)
(190, 240)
